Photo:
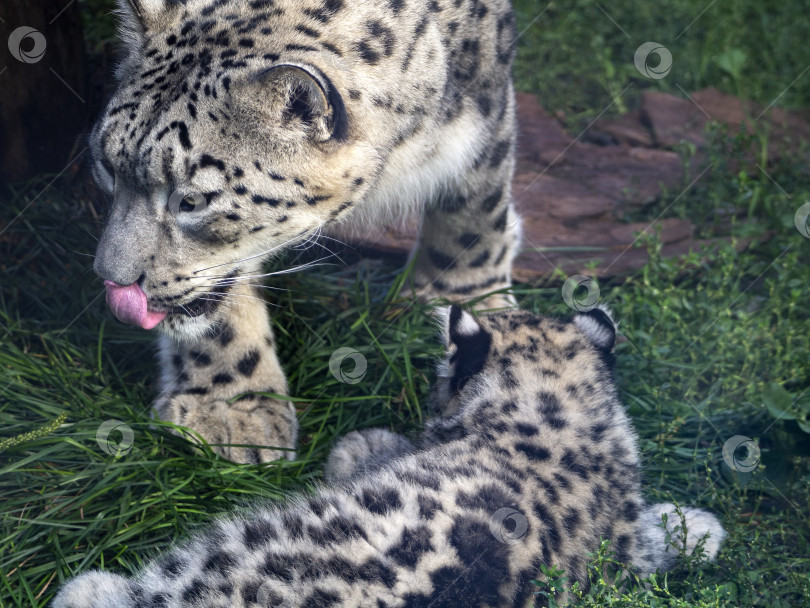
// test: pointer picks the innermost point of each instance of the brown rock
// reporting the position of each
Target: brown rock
(570, 192)
(543, 195)
(673, 119)
(628, 129)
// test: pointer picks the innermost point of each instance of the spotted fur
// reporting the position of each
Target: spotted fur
(530, 461)
(241, 127)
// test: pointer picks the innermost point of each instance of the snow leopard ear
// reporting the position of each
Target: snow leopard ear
(141, 16)
(468, 342)
(302, 94)
(599, 327)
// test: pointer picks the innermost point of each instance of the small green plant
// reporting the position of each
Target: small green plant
(552, 585)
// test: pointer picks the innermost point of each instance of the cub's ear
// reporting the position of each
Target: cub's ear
(599, 327)
(293, 93)
(141, 16)
(468, 342)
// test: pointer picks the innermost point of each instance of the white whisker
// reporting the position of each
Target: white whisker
(278, 272)
(270, 287)
(331, 253)
(224, 298)
(226, 280)
(309, 241)
(258, 255)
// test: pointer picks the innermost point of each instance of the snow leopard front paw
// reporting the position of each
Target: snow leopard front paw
(95, 589)
(363, 450)
(233, 429)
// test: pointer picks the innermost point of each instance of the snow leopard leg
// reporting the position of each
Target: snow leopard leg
(363, 451)
(96, 589)
(470, 235)
(696, 526)
(199, 378)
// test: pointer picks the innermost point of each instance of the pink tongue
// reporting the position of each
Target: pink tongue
(128, 303)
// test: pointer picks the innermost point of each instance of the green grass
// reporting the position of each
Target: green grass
(578, 54)
(716, 345)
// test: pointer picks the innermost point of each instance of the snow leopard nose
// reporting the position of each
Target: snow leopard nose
(111, 270)
(118, 259)
(130, 237)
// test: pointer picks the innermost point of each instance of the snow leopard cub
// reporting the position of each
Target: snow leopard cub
(530, 460)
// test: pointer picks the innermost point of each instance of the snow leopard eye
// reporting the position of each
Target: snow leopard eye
(190, 202)
(187, 203)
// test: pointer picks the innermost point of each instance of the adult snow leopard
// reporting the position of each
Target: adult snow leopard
(240, 127)
(530, 462)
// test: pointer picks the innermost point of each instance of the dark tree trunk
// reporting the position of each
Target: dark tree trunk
(43, 109)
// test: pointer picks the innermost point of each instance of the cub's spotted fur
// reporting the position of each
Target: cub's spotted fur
(531, 460)
(240, 127)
